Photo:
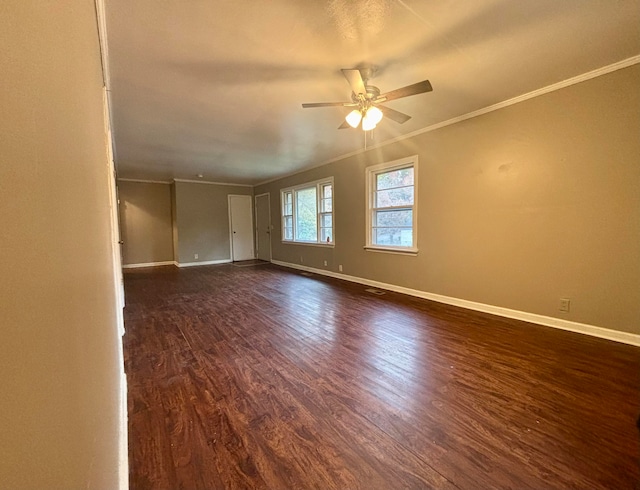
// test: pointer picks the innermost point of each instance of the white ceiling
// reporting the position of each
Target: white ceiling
(215, 87)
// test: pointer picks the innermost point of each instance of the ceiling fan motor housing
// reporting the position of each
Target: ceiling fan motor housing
(370, 94)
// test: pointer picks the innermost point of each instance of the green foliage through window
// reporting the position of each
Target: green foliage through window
(307, 213)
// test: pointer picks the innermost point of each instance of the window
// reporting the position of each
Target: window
(307, 213)
(392, 195)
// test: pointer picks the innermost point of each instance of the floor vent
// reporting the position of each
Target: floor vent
(379, 292)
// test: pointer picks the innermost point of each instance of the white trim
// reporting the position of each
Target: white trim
(500, 105)
(101, 18)
(123, 438)
(114, 202)
(144, 181)
(399, 251)
(148, 264)
(211, 183)
(230, 225)
(309, 244)
(294, 199)
(123, 465)
(592, 330)
(207, 262)
(370, 187)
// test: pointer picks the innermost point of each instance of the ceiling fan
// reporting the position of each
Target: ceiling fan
(366, 100)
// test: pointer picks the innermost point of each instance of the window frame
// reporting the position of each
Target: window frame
(284, 215)
(371, 187)
(293, 190)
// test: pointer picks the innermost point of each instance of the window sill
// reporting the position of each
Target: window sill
(391, 250)
(312, 244)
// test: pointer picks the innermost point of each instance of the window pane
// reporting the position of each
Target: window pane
(394, 197)
(326, 220)
(306, 215)
(326, 235)
(397, 237)
(326, 191)
(286, 203)
(288, 227)
(326, 206)
(393, 218)
(395, 178)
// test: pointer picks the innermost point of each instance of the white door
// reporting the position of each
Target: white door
(241, 221)
(263, 227)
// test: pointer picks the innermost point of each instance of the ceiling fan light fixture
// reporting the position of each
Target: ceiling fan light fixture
(368, 123)
(371, 118)
(374, 114)
(365, 98)
(353, 118)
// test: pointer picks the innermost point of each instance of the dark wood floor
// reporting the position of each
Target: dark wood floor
(260, 377)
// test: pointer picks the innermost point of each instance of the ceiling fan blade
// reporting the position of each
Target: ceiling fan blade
(397, 116)
(328, 104)
(415, 89)
(354, 77)
(344, 125)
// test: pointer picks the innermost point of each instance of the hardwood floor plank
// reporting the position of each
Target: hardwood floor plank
(258, 377)
(150, 451)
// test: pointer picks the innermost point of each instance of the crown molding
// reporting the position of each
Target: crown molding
(500, 105)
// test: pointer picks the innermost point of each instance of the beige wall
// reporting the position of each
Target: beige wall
(59, 353)
(145, 222)
(518, 208)
(202, 219)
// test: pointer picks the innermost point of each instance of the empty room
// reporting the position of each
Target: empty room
(365, 244)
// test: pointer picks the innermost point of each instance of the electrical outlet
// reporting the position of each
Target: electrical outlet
(195, 256)
(325, 263)
(340, 268)
(565, 304)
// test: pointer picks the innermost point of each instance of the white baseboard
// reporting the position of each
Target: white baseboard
(148, 264)
(204, 262)
(594, 331)
(123, 456)
(177, 264)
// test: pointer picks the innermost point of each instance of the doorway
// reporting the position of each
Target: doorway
(263, 227)
(241, 227)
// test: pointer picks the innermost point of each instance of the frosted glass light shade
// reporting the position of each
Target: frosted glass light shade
(353, 118)
(374, 114)
(371, 118)
(368, 123)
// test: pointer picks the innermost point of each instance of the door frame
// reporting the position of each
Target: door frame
(229, 196)
(255, 205)
(118, 278)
